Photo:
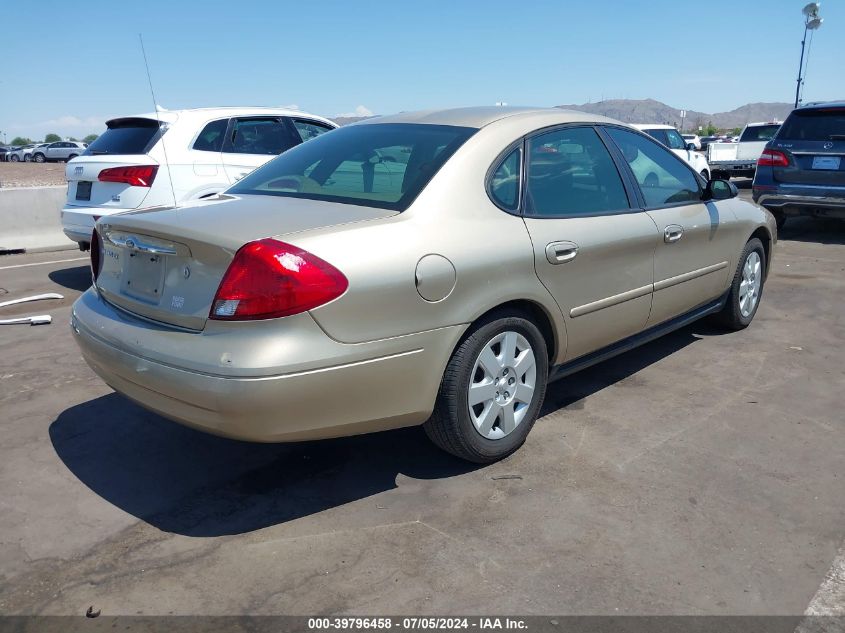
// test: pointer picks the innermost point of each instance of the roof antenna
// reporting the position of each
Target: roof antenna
(158, 119)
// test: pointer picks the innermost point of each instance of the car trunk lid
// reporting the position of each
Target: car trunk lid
(817, 163)
(166, 264)
(86, 190)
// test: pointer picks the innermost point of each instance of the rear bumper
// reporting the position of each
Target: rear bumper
(78, 222)
(347, 389)
(803, 201)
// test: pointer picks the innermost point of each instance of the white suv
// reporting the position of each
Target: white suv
(672, 139)
(173, 156)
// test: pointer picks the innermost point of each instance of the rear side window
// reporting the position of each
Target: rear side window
(818, 124)
(570, 173)
(759, 133)
(663, 178)
(310, 129)
(378, 165)
(211, 137)
(260, 136)
(658, 135)
(126, 136)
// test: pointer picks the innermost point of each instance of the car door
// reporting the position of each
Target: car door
(252, 141)
(691, 261)
(51, 152)
(593, 250)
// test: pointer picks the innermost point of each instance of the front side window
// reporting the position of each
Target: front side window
(379, 165)
(211, 137)
(570, 173)
(675, 140)
(504, 183)
(259, 136)
(310, 129)
(663, 178)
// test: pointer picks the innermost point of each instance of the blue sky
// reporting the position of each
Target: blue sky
(335, 58)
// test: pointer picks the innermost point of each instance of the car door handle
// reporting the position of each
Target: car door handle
(561, 252)
(673, 233)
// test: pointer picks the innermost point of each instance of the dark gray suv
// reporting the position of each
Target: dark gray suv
(802, 169)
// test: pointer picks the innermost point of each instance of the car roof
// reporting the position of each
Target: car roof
(170, 116)
(822, 104)
(653, 126)
(481, 116)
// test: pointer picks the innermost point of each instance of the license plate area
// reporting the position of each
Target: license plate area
(83, 190)
(826, 162)
(143, 276)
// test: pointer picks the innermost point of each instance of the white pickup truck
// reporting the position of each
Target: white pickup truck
(740, 159)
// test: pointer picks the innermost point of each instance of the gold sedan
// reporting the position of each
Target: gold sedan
(435, 268)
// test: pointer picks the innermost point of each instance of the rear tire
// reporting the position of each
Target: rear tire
(27, 158)
(746, 288)
(506, 388)
(71, 157)
(14, 158)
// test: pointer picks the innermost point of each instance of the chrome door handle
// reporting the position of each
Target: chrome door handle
(672, 233)
(561, 252)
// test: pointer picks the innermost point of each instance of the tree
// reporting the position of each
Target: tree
(91, 138)
(736, 131)
(73, 138)
(52, 137)
(21, 140)
(710, 129)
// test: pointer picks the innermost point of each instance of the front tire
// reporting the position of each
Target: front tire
(27, 158)
(492, 390)
(746, 287)
(14, 158)
(71, 157)
(39, 158)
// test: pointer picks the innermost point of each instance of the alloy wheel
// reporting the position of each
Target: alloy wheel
(749, 286)
(502, 385)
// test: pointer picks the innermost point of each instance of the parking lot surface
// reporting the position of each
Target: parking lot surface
(700, 474)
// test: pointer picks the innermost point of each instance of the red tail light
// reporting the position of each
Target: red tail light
(269, 279)
(96, 255)
(773, 158)
(137, 176)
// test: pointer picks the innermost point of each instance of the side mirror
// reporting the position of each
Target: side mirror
(691, 147)
(720, 190)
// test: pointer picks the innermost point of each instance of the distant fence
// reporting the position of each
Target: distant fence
(30, 219)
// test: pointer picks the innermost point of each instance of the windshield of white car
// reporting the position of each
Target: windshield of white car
(378, 165)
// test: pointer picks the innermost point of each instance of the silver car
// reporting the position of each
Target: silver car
(334, 291)
(58, 151)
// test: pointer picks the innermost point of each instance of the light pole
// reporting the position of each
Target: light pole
(812, 21)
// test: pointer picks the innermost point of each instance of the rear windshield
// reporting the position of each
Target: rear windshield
(823, 124)
(125, 136)
(377, 165)
(760, 133)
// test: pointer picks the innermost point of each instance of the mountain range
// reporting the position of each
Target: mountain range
(651, 111)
